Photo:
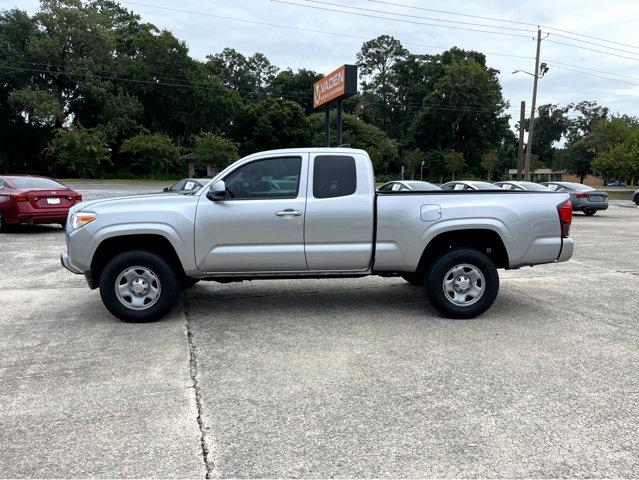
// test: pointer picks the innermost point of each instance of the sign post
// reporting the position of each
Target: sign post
(337, 85)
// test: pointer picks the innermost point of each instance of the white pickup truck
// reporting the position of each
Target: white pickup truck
(310, 213)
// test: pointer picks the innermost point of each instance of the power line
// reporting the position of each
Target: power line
(386, 12)
(400, 20)
(546, 27)
(557, 63)
(596, 75)
(456, 108)
(596, 44)
(303, 29)
(592, 50)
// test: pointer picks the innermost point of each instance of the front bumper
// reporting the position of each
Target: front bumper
(66, 263)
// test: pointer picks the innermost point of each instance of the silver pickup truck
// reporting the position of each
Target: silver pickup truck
(311, 213)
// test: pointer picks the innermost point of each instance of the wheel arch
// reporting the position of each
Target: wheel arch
(112, 246)
(485, 240)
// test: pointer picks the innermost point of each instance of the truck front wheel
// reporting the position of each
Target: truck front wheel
(462, 283)
(139, 286)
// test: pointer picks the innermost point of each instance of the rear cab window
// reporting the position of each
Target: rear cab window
(334, 176)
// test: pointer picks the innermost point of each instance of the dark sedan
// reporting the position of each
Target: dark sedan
(584, 198)
(32, 199)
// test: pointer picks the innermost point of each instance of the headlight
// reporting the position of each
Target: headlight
(82, 218)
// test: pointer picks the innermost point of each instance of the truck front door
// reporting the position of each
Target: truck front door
(259, 226)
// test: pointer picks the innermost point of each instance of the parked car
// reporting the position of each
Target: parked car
(520, 185)
(187, 185)
(584, 198)
(635, 197)
(468, 185)
(616, 183)
(408, 185)
(324, 219)
(33, 199)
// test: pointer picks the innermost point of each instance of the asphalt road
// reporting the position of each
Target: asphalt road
(330, 378)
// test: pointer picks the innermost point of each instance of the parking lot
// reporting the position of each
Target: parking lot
(324, 378)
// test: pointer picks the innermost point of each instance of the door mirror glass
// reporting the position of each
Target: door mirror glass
(217, 191)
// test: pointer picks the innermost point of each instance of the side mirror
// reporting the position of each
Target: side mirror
(217, 191)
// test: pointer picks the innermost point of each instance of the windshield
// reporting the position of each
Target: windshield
(35, 183)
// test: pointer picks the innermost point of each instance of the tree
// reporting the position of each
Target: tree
(151, 154)
(359, 134)
(463, 112)
(215, 150)
(551, 125)
(489, 162)
(454, 162)
(79, 151)
(413, 161)
(271, 124)
(621, 161)
(376, 60)
(297, 86)
(602, 136)
(249, 77)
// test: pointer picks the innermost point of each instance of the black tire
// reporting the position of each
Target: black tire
(413, 279)
(3, 227)
(589, 212)
(439, 270)
(636, 200)
(169, 285)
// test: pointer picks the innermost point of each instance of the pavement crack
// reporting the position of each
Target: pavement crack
(193, 364)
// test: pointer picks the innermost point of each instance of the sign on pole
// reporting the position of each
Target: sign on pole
(335, 86)
(340, 83)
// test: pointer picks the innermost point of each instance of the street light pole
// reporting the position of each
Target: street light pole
(532, 108)
(540, 71)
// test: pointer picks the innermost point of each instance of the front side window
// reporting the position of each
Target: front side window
(268, 178)
(334, 176)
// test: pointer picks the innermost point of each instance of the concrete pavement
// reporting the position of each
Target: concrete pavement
(319, 378)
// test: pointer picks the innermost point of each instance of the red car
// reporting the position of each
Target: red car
(32, 199)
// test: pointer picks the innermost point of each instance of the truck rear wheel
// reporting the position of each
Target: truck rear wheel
(139, 286)
(462, 283)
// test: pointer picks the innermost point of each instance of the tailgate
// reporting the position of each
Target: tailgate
(50, 199)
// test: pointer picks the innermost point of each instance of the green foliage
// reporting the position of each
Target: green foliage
(463, 112)
(215, 150)
(295, 85)
(359, 134)
(454, 162)
(620, 161)
(489, 162)
(551, 124)
(79, 151)
(272, 124)
(413, 162)
(38, 106)
(151, 154)
(249, 77)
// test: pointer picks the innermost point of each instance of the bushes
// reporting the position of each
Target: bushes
(151, 155)
(79, 151)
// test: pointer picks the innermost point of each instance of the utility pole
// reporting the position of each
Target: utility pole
(532, 107)
(520, 149)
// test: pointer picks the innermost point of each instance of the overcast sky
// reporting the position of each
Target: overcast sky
(610, 20)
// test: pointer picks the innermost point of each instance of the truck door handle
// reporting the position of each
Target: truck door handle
(287, 212)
